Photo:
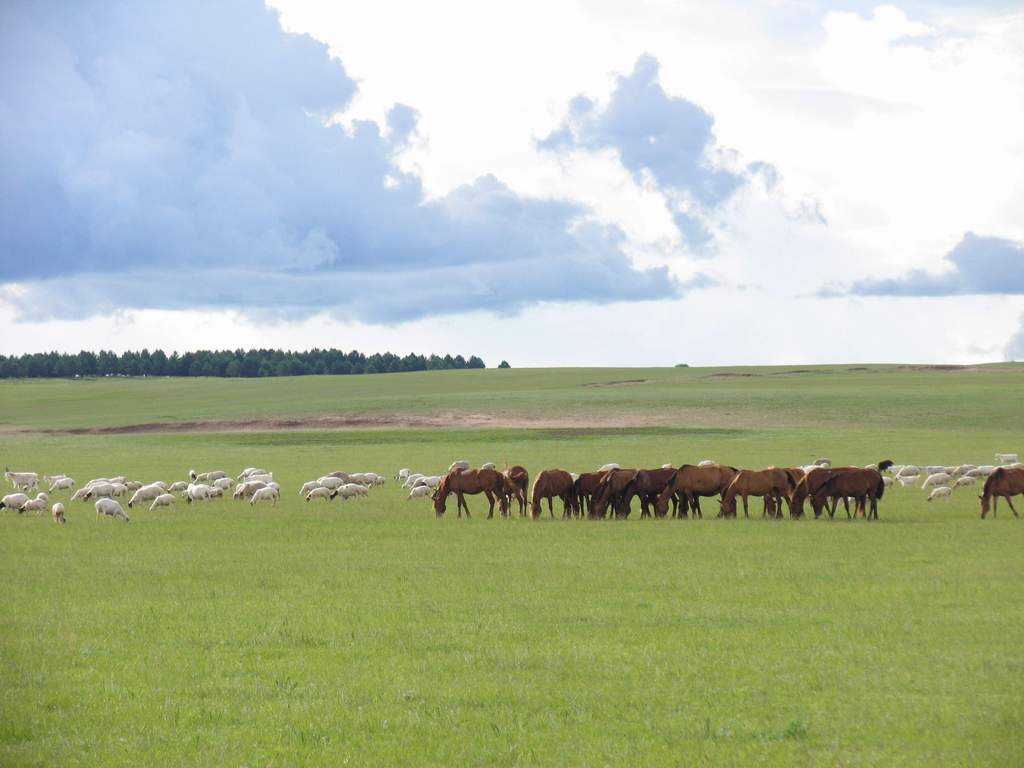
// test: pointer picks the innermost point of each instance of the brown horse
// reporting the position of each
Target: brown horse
(691, 482)
(1003, 483)
(472, 481)
(610, 491)
(649, 485)
(771, 484)
(517, 482)
(549, 484)
(863, 485)
(584, 489)
(808, 486)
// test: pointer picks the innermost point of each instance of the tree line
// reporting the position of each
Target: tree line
(239, 363)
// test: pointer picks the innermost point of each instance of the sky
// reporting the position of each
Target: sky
(551, 183)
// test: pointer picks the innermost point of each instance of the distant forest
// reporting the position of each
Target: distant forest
(240, 363)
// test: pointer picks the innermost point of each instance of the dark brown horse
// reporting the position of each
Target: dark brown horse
(610, 492)
(1003, 483)
(864, 485)
(649, 484)
(690, 482)
(807, 487)
(771, 484)
(549, 484)
(517, 482)
(584, 489)
(472, 481)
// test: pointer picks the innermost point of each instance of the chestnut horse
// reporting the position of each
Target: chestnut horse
(1004, 482)
(584, 489)
(611, 491)
(649, 484)
(771, 484)
(517, 482)
(691, 482)
(808, 486)
(472, 481)
(864, 485)
(549, 484)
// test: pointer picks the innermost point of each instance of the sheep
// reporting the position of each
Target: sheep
(487, 465)
(307, 487)
(986, 469)
(905, 480)
(432, 482)
(163, 500)
(350, 491)
(58, 513)
(120, 489)
(375, 479)
(61, 484)
(266, 477)
(1007, 458)
(37, 505)
(22, 480)
(410, 481)
(145, 493)
(963, 469)
(264, 494)
(196, 492)
(887, 482)
(248, 488)
(823, 463)
(224, 483)
(82, 494)
(976, 472)
(419, 492)
(159, 484)
(403, 473)
(909, 471)
(327, 481)
(668, 466)
(460, 465)
(1015, 465)
(320, 493)
(938, 478)
(13, 501)
(703, 463)
(609, 467)
(245, 473)
(942, 492)
(206, 477)
(99, 491)
(110, 508)
(179, 486)
(338, 474)
(962, 481)
(133, 485)
(362, 478)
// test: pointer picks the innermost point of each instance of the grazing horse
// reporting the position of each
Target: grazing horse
(472, 481)
(611, 491)
(649, 484)
(861, 484)
(771, 484)
(549, 484)
(517, 482)
(807, 487)
(584, 489)
(1004, 483)
(690, 482)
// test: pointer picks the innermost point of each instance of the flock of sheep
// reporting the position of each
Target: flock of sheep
(257, 485)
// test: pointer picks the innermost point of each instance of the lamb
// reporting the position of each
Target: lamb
(110, 508)
(339, 474)
(197, 492)
(22, 480)
(264, 494)
(163, 500)
(963, 469)
(58, 513)
(145, 493)
(320, 493)
(266, 477)
(942, 492)
(1007, 458)
(13, 501)
(419, 492)
(938, 478)
(61, 484)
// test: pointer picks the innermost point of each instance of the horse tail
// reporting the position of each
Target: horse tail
(880, 488)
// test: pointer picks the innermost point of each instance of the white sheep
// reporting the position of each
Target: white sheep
(13, 501)
(338, 473)
(265, 477)
(487, 465)
(145, 493)
(37, 505)
(962, 481)
(133, 485)
(351, 491)
(58, 513)
(938, 478)
(245, 473)
(410, 481)
(909, 471)
(1007, 458)
(110, 508)
(823, 463)
(320, 493)
(701, 463)
(307, 487)
(608, 467)
(224, 483)
(179, 486)
(159, 484)
(327, 481)
(22, 480)
(98, 491)
(197, 492)
(248, 488)
(963, 469)
(163, 500)
(119, 479)
(419, 492)
(432, 481)
(403, 473)
(215, 493)
(61, 484)
(460, 465)
(265, 494)
(942, 492)
(120, 489)
(887, 482)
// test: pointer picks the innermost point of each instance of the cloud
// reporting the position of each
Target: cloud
(977, 265)
(666, 138)
(1015, 346)
(184, 154)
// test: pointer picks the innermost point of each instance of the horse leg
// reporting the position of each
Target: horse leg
(745, 512)
(551, 507)
(1010, 502)
(462, 501)
(490, 502)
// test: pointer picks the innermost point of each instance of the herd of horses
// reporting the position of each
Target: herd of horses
(609, 493)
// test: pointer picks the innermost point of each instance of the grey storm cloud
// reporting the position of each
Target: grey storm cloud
(977, 265)
(182, 155)
(668, 137)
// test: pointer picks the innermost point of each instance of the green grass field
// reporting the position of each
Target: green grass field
(372, 633)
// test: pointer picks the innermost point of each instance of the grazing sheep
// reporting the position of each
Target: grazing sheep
(13, 501)
(327, 481)
(934, 469)
(460, 465)
(320, 493)
(823, 463)
(339, 474)
(61, 484)
(1007, 458)
(410, 481)
(22, 480)
(986, 469)
(609, 467)
(159, 484)
(133, 485)
(179, 486)
(198, 492)
(419, 492)
(163, 500)
(37, 505)
(99, 491)
(431, 482)
(909, 471)
(58, 513)
(942, 492)
(307, 487)
(246, 473)
(215, 493)
(963, 469)
(120, 489)
(82, 494)
(265, 494)
(110, 508)
(938, 478)
(224, 483)
(248, 488)
(887, 482)
(961, 481)
(403, 473)
(145, 493)
(907, 480)
(206, 477)
(119, 479)
(351, 491)
(266, 477)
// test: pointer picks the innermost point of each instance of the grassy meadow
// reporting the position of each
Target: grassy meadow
(372, 633)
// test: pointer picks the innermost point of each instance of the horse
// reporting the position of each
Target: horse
(549, 484)
(610, 491)
(516, 481)
(690, 482)
(472, 481)
(772, 484)
(808, 487)
(584, 489)
(648, 484)
(1004, 482)
(862, 484)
